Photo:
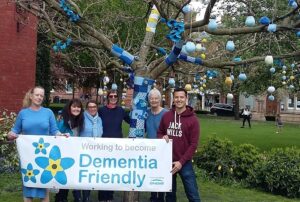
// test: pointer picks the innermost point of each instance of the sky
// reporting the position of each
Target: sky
(200, 7)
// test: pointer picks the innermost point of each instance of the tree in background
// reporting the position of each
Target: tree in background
(43, 73)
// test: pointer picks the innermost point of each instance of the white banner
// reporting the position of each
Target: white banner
(95, 163)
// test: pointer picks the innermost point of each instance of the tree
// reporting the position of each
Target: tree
(43, 66)
(68, 20)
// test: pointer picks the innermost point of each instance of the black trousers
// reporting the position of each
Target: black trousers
(157, 197)
(105, 195)
(62, 195)
(248, 119)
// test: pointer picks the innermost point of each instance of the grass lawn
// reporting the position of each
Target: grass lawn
(262, 135)
(10, 191)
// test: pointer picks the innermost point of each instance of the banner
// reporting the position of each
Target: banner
(95, 163)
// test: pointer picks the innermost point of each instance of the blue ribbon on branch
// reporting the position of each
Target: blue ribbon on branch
(123, 55)
(130, 72)
(190, 59)
(172, 57)
(60, 46)
(73, 17)
(176, 29)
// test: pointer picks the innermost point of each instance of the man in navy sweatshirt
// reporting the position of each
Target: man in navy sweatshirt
(181, 125)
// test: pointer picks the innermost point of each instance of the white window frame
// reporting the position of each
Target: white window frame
(69, 90)
(296, 101)
(292, 101)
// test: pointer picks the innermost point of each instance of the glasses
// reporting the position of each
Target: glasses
(92, 107)
(154, 98)
(112, 96)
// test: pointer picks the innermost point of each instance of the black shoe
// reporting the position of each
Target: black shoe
(242, 126)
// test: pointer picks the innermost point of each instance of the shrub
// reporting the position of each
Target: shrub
(278, 172)
(216, 158)
(245, 157)
(8, 153)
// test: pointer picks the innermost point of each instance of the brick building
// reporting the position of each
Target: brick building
(18, 36)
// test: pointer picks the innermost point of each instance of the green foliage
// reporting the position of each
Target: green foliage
(258, 74)
(220, 158)
(245, 156)
(216, 158)
(278, 172)
(43, 66)
(120, 20)
(8, 153)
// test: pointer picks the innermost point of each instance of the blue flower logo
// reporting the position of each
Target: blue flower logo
(54, 166)
(30, 173)
(40, 146)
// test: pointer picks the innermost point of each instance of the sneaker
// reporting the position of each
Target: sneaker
(242, 126)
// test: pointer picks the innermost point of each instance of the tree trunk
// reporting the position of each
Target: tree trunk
(236, 106)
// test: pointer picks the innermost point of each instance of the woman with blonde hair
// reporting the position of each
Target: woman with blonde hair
(34, 119)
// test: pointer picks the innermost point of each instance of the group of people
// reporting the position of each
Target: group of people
(179, 124)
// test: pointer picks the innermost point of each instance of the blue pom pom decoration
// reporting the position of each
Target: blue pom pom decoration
(250, 21)
(212, 25)
(230, 46)
(172, 82)
(264, 20)
(242, 77)
(272, 70)
(114, 86)
(190, 47)
(271, 97)
(272, 28)
(186, 9)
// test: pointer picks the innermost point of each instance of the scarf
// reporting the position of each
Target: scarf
(94, 121)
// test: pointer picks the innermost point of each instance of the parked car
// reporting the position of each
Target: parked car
(222, 109)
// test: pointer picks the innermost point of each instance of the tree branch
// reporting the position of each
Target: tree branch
(215, 64)
(244, 30)
(206, 16)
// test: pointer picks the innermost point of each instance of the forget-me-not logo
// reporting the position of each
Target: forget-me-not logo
(30, 173)
(40, 146)
(54, 166)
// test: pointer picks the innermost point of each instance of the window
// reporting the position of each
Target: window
(69, 87)
(298, 103)
(291, 101)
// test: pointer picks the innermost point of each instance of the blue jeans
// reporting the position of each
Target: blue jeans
(188, 178)
(85, 197)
